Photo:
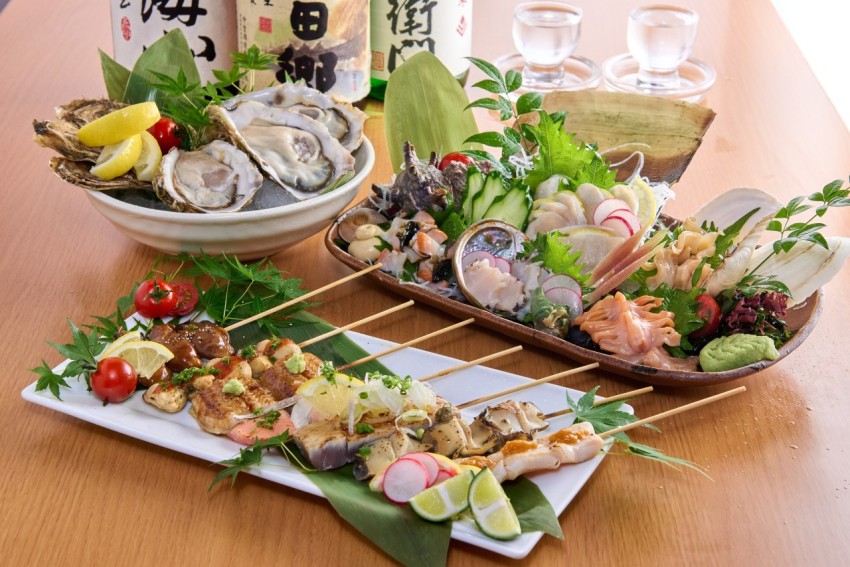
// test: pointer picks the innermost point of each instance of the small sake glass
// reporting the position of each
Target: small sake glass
(546, 34)
(661, 38)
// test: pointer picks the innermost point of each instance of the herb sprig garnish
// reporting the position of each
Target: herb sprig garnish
(186, 102)
(832, 195)
(252, 456)
(608, 415)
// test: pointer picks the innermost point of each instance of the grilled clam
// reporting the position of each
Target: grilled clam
(216, 178)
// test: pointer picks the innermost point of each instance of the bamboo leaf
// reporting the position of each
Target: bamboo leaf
(426, 106)
(115, 76)
(395, 529)
(534, 511)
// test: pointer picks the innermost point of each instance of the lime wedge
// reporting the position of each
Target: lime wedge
(444, 500)
(119, 125)
(491, 508)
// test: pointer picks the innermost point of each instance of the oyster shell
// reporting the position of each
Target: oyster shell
(343, 121)
(216, 178)
(79, 173)
(295, 151)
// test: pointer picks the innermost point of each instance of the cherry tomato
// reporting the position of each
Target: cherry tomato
(155, 298)
(165, 132)
(187, 298)
(708, 311)
(454, 157)
(114, 380)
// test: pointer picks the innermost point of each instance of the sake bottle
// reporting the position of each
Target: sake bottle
(402, 28)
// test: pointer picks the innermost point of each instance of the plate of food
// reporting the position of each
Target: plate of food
(178, 380)
(554, 244)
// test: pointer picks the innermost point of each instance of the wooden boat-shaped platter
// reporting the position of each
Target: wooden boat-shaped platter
(801, 320)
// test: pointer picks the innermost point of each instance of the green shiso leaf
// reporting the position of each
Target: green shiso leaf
(395, 529)
(426, 106)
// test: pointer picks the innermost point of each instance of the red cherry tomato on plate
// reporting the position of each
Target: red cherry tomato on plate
(187, 298)
(114, 380)
(454, 157)
(155, 298)
(165, 132)
(708, 311)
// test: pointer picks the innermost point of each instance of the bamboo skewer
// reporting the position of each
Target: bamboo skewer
(369, 319)
(301, 298)
(475, 362)
(528, 385)
(674, 411)
(405, 345)
(600, 401)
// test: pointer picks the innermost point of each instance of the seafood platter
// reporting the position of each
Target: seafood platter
(595, 271)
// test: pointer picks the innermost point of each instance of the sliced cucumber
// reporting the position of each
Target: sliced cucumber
(493, 189)
(474, 184)
(513, 208)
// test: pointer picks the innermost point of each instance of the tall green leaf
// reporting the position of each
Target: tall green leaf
(395, 529)
(534, 511)
(167, 56)
(425, 105)
(115, 76)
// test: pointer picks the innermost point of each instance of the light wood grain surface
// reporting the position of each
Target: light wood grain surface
(74, 494)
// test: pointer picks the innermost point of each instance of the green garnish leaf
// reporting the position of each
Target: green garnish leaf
(555, 254)
(252, 456)
(48, 380)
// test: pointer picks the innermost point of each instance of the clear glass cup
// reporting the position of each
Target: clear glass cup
(661, 38)
(546, 35)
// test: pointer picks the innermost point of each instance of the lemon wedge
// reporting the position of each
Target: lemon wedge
(125, 338)
(647, 210)
(491, 508)
(117, 159)
(149, 159)
(146, 357)
(119, 124)
(330, 399)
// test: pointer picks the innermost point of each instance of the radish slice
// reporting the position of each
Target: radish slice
(494, 261)
(604, 209)
(567, 298)
(403, 480)
(561, 280)
(631, 218)
(427, 461)
(443, 475)
(619, 225)
(503, 265)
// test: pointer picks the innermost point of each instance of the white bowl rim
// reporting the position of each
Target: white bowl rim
(195, 218)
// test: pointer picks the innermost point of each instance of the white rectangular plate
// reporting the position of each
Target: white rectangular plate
(181, 433)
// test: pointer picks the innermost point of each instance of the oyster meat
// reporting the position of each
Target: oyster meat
(295, 151)
(343, 121)
(215, 178)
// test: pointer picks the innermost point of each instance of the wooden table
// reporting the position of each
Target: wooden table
(73, 493)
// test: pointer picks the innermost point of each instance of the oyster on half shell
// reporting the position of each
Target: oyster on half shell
(295, 151)
(343, 120)
(217, 178)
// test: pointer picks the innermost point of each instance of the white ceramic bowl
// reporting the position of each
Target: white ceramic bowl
(248, 234)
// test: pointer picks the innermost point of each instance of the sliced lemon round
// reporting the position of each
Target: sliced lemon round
(119, 124)
(491, 508)
(149, 159)
(146, 357)
(445, 500)
(647, 205)
(125, 338)
(330, 399)
(117, 159)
